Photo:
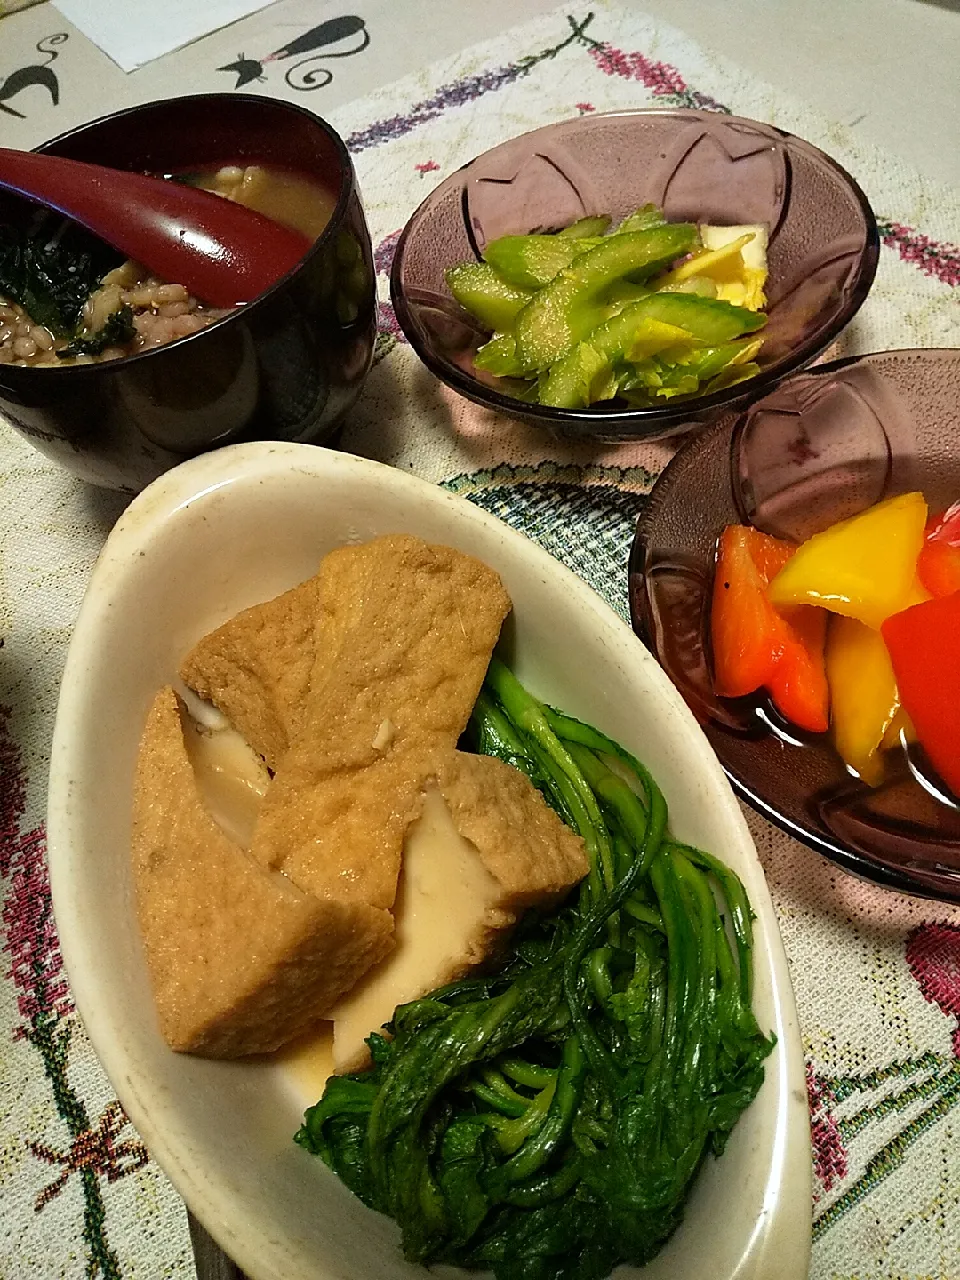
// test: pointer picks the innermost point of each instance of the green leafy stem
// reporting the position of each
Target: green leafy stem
(545, 1120)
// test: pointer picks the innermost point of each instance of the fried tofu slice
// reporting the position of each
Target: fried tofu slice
(240, 960)
(257, 668)
(405, 634)
(533, 856)
(485, 847)
(338, 833)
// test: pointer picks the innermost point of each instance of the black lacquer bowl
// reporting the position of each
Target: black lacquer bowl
(285, 367)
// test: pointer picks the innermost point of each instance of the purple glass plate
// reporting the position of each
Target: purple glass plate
(698, 165)
(823, 446)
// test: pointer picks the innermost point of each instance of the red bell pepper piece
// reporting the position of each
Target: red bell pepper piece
(938, 565)
(924, 646)
(757, 646)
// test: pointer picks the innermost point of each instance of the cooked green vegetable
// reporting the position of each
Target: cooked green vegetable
(52, 271)
(499, 356)
(573, 303)
(478, 288)
(545, 1121)
(586, 227)
(646, 216)
(117, 331)
(584, 316)
(665, 322)
(531, 261)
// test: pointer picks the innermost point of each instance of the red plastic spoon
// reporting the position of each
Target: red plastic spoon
(223, 252)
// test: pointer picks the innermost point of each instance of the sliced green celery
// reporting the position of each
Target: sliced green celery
(530, 262)
(584, 376)
(647, 216)
(499, 356)
(565, 386)
(657, 323)
(698, 372)
(730, 376)
(573, 303)
(621, 294)
(486, 295)
(703, 286)
(707, 319)
(586, 227)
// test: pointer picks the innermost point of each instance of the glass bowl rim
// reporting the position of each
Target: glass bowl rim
(661, 420)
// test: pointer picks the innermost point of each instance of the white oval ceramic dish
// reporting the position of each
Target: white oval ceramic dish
(232, 528)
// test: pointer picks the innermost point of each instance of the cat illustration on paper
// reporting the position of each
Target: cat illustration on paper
(37, 74)
(307, 73)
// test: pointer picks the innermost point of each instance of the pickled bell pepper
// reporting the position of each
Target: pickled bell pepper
(924, 646)
(938, 565)
(864, 567)
(864, 700)
(754, 645)
(899, 730)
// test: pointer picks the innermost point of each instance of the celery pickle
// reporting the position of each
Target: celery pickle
(586, 314)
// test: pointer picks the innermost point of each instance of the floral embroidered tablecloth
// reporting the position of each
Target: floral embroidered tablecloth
(877, 975)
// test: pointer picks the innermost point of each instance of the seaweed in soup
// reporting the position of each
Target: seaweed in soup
(51, 269)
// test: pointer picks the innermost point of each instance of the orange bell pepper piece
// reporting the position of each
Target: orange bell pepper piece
(757, 646)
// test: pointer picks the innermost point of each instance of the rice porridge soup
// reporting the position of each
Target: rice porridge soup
(67, 299)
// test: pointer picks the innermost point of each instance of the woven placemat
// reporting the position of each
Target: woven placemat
(877, 975)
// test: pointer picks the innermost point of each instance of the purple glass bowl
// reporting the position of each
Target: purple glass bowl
(825, 445)
(699, 166)
(287, 366)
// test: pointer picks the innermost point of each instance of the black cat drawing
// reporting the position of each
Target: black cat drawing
(37, 74)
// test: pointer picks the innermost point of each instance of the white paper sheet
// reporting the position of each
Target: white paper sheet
(135, 32)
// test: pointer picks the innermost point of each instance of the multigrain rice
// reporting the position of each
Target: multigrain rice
(162, 313)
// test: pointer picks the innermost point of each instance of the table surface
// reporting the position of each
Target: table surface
(885, 68)
(885, 73)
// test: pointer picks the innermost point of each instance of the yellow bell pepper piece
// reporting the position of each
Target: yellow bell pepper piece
(899, 730)
(864, 701)
(864, 567)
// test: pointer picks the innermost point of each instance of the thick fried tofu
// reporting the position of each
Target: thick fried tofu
(240, 960)
(338, 833)
(534, 857)
(485, 848)
(257, 668)
(405, 635)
